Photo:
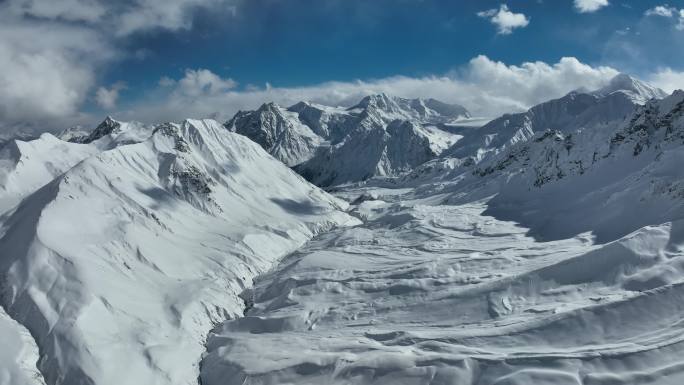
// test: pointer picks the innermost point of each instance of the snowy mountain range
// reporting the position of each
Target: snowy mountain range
(542, 247)
(598, 110)
(390, 134)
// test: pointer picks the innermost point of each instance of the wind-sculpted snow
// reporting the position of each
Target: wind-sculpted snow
(119, 266)
(424, 293)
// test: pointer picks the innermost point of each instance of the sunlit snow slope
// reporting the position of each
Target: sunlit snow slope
(121, 265)
(424, 293)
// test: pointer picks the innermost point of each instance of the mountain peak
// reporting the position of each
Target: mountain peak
(105, 128)
(427, 110)
(638, 90)
(381, 100)
(269, 106)
(73, 134)
(298, 107)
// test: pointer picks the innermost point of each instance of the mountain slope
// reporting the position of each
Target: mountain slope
(365, 153)
(18, 355)
(391, 108)
(638, 91)
(602, 109)
(27, 165)
(121, 265)
(278, 131)
(324, 143)
(560, 184)
(557, 260)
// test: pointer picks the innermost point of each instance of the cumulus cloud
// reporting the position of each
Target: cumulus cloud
(662, 10)
(668, 79)
(505, 20)
(588, 6)
(486, 87)
(47, 69)
(51, 52)
(669, 12)
(107, 97)
(166, 14)
(202, 82)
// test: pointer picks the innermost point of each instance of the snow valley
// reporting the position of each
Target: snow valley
(396, 241)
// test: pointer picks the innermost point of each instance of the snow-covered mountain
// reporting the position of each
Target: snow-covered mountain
(331, 123)
(324, 143)
(640, 92)
(125, 257)
(333, 146)
(373, 150)
(596, 110)
(391, 108)
(556, 260)
(278, 131)
(27, 165)
(109, 134)
(545, 247)
(553, 182)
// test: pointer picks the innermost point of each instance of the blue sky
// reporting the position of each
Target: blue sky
(160, 60)
(289, 43)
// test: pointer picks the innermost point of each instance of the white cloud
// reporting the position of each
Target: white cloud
(588, 6)
(505, 20)
(203, 82)
(166, 81)
(661, 10)
(166, 14)
(68, 10)
(486, 87)
(51, 52)
(119, 17)
(670, 12)
(47, 69)
(668, 79)
(107, 97)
